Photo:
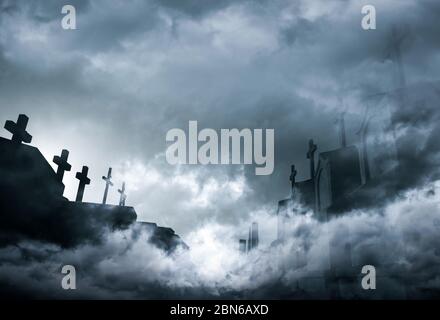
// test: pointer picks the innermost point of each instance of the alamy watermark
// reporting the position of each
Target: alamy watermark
(368, 21)
(69, 280)
(369, 280)
(69, 20)
(208, 147)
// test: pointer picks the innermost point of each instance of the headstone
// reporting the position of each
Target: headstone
(242, 245)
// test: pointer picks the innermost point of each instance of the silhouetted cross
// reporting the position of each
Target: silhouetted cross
(342, 137)
(311, 156)
(293, 173)
(83, 181)
(123, 195)
(18, 130)
(62, 163)
(108, 183)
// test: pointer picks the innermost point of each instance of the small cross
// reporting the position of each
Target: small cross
(18, 130)
(83, 181)
(292, 178)
(62, 163)
(312, 149)
(342, 137)
(311, 156)
(123, 195)
(108, 183)
(293, 173)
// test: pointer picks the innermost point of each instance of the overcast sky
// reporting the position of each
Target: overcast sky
(110, 90)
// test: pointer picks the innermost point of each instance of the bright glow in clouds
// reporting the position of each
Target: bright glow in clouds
(141, 178)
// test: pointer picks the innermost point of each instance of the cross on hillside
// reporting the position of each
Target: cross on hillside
(123, 195)
(394, 52)
(342, 136)
(62, 163)
(83, 181)
(18, 129)
(108, 183)
(293, 173)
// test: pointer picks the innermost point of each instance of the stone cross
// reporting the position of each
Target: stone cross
(83, 181)
(108, 183)
(342, 137)
(18, 130)
(292, 177)
(394, 52)
(62, 163)
(311, 156)
(123, 195)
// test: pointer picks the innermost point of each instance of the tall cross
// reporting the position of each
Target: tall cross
(123, 195)
(108, 183)
(342, 138)
(363, 133)
(62, 163)
(293, 173)
(83, 181)
(311, 156)
(18, 129)
(395, 53)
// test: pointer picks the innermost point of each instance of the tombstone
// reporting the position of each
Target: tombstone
(249, 243)
(62, 163)
(253, 237)
(83, 181)
(123, 195)
(242, 246)
(18, 129)
(108, 183)
(311, 156)
(363, 133)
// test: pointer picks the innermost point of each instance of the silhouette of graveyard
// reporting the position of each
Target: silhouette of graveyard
(344, 179)
(32, 205)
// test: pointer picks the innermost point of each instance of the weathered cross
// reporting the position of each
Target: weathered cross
(108, 183)
(18, 130)
(342, 138)
(123, 195)
(292, 177)
(62, 163)
(394, 52)
(83, 181)
(311, 156)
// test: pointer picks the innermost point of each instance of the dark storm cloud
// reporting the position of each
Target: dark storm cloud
(418, 123)
(290, 70)
(40, 10)
(126, 266)
(110, 90)
(196, 8)
(123, 74)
